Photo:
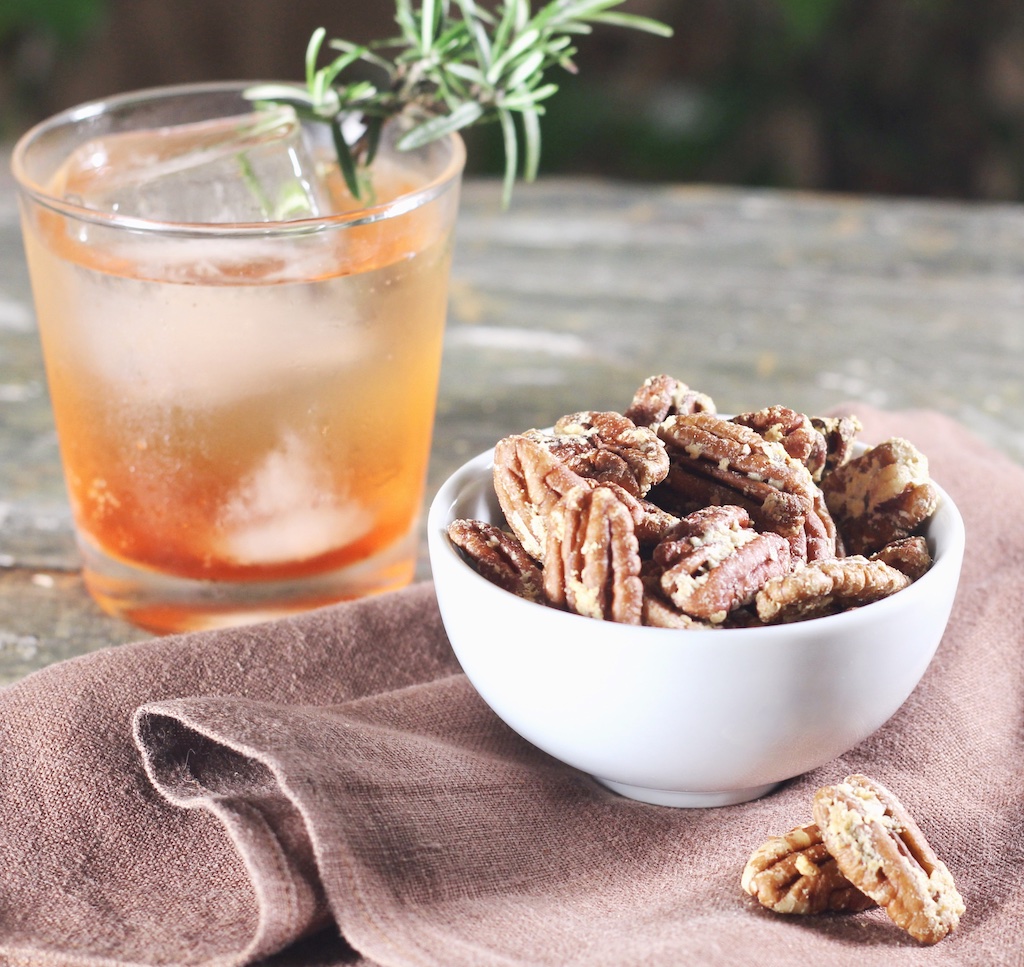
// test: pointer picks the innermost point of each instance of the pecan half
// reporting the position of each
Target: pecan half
(499, 557)
(738, 458)
(611, 448)
(662, 396)
(796, 873)
(826, 587)
(881, 850)
(909, 555)
(714, 562)
(795, 431)
(686, 491)
(881, 496)
(529, 480)
(840, 433)
(653, 524)
(592, 558)
(659, 612)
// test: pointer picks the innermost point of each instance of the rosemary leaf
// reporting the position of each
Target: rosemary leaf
(522, 43)
(508, 132)
(366, 52)
(635, 22)
(526, 69)
(481, 41)
(405, 19)
(313, 53)
(453, 64)
(438, 127)
(528, 98)
(428, 23)
(530, 117)
(467, 73)
(346, 162)
(374, 126)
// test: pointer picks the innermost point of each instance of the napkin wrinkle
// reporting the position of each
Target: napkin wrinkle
(194, 771)
(387, 755)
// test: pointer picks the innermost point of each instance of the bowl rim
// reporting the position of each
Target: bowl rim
(472, 472)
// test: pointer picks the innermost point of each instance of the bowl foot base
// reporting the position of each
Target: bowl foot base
(687, 800)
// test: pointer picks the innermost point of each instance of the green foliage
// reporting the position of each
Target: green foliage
(806, 20)
(66, 20)
(453, 65)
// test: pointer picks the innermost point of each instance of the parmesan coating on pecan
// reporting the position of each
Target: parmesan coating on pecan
(795, 873)
(881, 850)
(658, 612)
(592, 558)
(795, 431)
(528, 481)
(610, 448)
(499, 557)
(821, 588)
(715, 562)
(881, 496)
(909, 555)
(840, 433)
(662, 396)
(739, 458)
(653, 524)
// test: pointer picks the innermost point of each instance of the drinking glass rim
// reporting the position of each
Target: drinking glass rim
(408, 201)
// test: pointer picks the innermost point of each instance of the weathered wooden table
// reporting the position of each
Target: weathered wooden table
(568, 301)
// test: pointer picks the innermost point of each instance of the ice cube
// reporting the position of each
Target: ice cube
(204, 343)
(284, 512)
(250, 168)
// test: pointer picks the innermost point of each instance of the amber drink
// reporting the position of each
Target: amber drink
(242, 358)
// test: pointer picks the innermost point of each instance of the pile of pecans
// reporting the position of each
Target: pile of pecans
(863, 849)
(671, 515)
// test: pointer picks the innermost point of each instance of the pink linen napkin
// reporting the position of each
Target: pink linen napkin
(329, 789)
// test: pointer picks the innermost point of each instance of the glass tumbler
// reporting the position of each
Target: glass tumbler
(242, 358)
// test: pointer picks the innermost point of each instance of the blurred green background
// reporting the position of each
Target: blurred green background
(911, 97)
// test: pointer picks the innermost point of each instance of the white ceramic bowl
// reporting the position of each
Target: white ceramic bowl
(686, 717)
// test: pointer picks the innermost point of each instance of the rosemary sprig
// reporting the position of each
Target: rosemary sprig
(452, 65)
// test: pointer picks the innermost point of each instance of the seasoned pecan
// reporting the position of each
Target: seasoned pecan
(653, 524)
(825, 587)
(662, 396)
(795, 431)
(704, 528)
(840, 433)
(909, 555)
(671, 457)
(686, 490)
(714, 562)
(659, 612)
(528, 481)
(585, 459)
(743, 618)
(796, 873)
(881, 496)
(881, 850)
(592, 558)
(786, 514)
(499, 557)
(736, 457)
(619, 452)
